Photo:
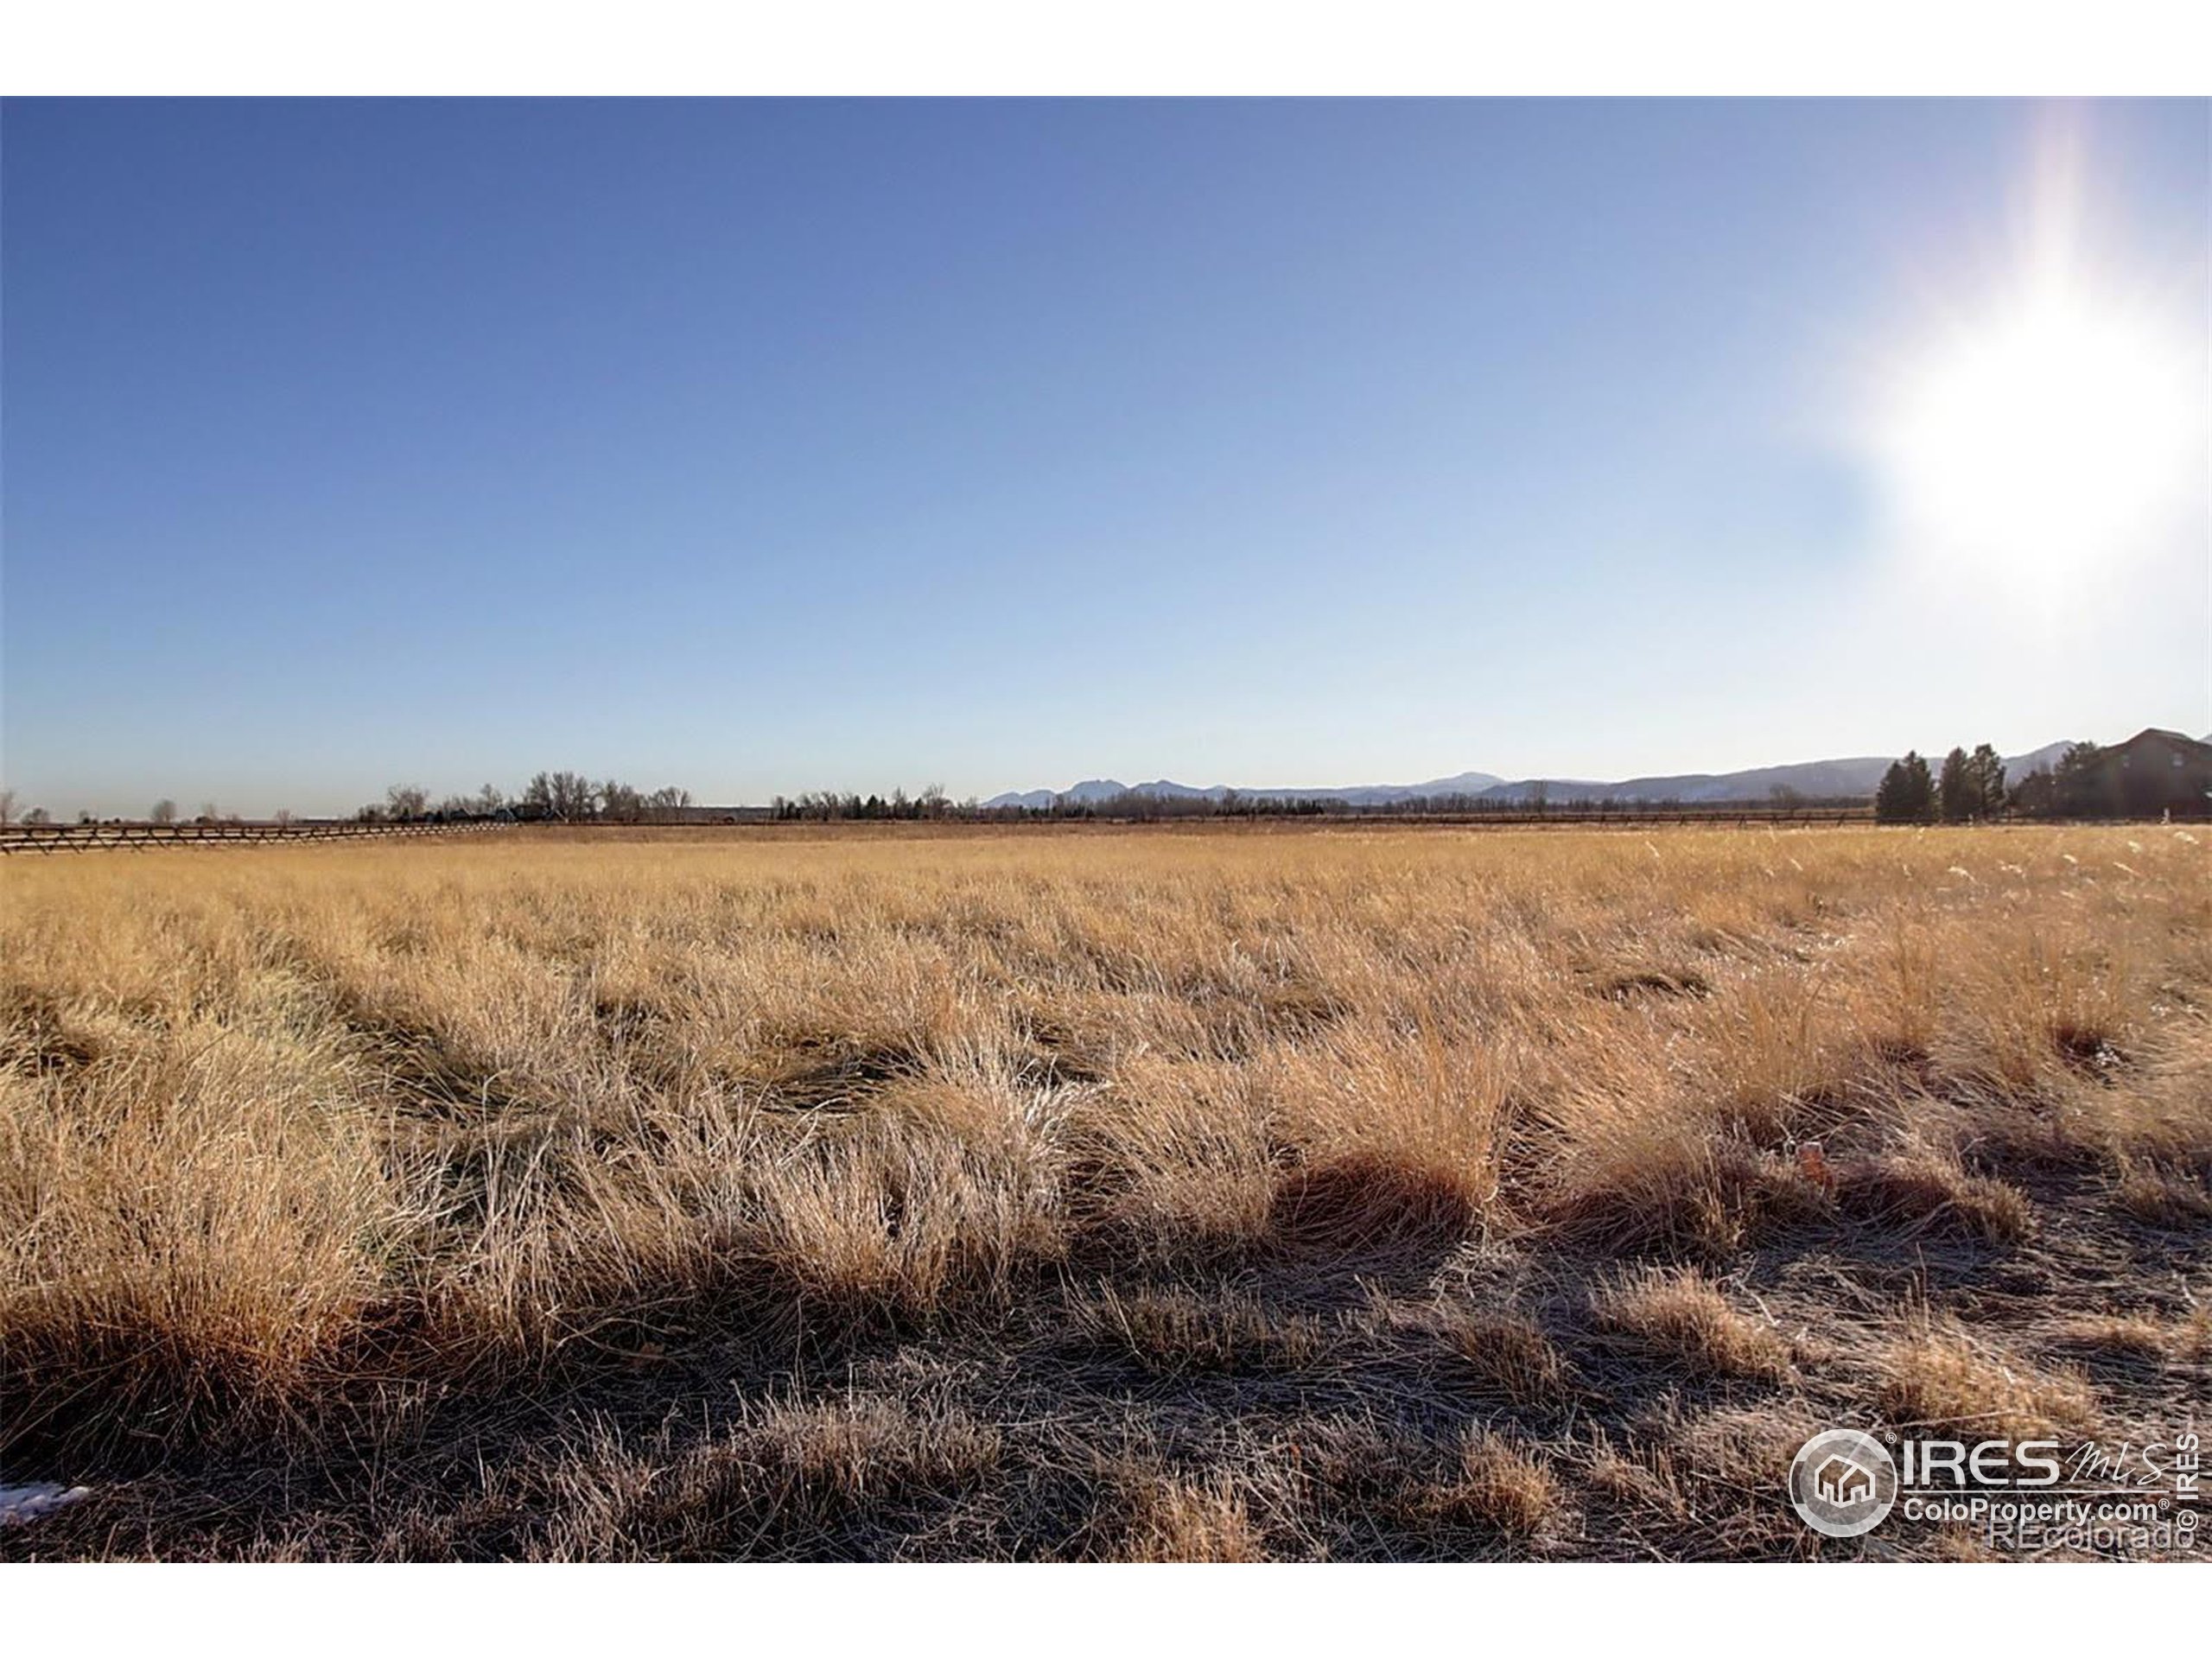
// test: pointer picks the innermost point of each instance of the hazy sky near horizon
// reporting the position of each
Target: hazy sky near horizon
(765, 446)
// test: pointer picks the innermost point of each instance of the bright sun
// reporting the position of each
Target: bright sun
(2056, 429)
(2051, 436)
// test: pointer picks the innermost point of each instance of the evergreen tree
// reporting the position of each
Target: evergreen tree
(1907, 794)
(1954, 789)
(1986, 768)
(2074, 785)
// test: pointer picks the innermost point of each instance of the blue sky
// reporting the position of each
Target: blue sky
(768, 446)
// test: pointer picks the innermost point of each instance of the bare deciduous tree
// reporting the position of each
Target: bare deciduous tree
(562, 795)
(668, 802)
(164, 812)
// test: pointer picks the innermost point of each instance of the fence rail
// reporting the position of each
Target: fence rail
(140, 838)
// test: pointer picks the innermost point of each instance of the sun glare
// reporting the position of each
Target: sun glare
(2055, 432)
(2057, 436)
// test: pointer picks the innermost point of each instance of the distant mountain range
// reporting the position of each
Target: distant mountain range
(1854, 777)
(1092, 791)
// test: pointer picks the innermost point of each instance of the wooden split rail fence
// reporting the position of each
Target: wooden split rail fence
(140, 838)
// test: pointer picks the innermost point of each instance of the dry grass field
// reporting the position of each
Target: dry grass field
(1214, 1194)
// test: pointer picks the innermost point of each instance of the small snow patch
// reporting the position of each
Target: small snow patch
(21, 1505)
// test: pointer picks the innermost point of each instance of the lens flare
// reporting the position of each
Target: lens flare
(2054, 430)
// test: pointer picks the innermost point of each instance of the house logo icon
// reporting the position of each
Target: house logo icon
(1842, 1482)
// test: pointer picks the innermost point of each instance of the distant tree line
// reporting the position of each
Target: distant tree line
(162, 811)
(2069, 789)
(827, 805)
(1137, 804)
(1972, 788)
(562, 797)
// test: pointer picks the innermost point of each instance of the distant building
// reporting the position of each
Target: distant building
(2153, 771)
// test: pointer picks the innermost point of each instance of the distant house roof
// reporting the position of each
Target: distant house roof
(2157, 737)
(2154, 771)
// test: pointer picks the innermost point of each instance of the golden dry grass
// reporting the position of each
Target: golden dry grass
(1176, 1520)
(1680, 1317)
(1945, 1381)
(370, 1164)
(1497, 1484)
